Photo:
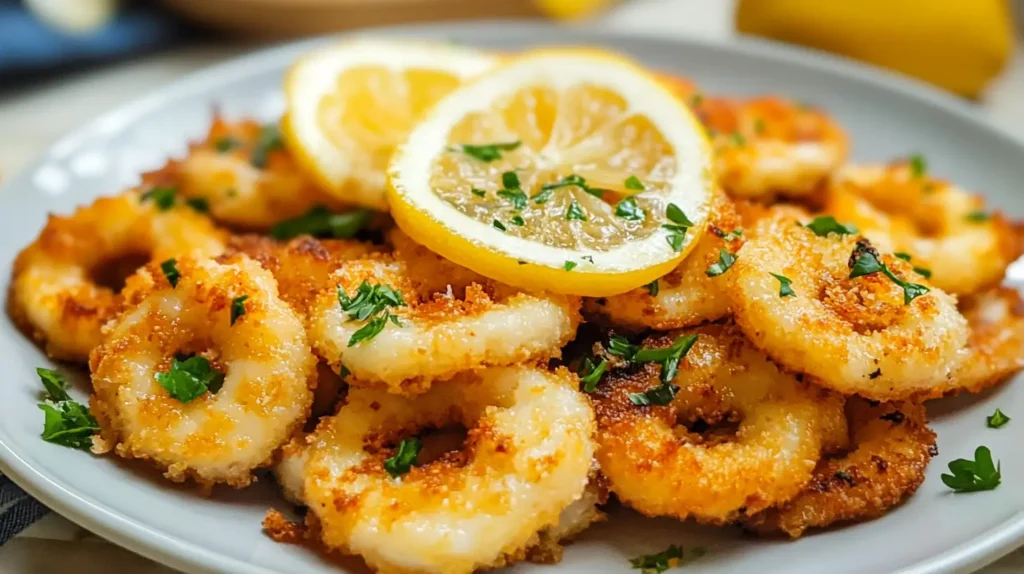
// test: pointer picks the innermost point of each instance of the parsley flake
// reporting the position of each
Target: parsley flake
(669, 358)
(268, 141)
(575, 212)
(67, 422)
(510, 180)
(997, 419)
(724, 263)
(514, 196)
(486, 152)
(569, 265)
(162, 196)
(658, 563)
(973, 475)
(189, 378)
(621, 347)
(370, 303)
(825, 224)
(629, 210)
(918, 165)
(676, 215)
(170, 271)
(478, 192)
(652, 288)
(785, 285)
(404, 458)
(738, 139)
(200, 204)
(518, 220)
(977, 217)
(498, 225)
(590, 374)
(730, 236)
(759, 125)
(696, 99)
(633, 182)
(865, 261)
(320, 222)
(226, 144)
(238, 307)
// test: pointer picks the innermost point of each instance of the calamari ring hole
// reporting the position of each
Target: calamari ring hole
(112, 272)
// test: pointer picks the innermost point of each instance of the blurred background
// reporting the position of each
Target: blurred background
(64, 61)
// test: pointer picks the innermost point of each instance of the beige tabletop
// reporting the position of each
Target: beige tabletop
(35, 115)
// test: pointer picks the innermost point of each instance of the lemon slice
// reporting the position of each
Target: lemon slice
(558, 171)
(349, 104)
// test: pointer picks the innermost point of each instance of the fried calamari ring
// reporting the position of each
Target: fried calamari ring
(526, 459)
(686, 296)
(219, 436)
(301, 266)
(65, 284)
(855, 336)
(659, 467)
(943, 227)
(892, 448)
(769, 146)
(247, 177)
(439, 334)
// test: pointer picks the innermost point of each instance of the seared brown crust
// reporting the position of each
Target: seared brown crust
(892, 448)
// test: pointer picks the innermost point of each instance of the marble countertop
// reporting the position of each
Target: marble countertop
(35, 115)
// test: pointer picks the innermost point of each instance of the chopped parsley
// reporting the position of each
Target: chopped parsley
(498, 225)
(486, 152)
(67, 422)
(973, 475)
(238, 307)
(226, 144)
(268, 141)
(676, 215)
(621, 347)
(200, 204)
(864, 261)
(696, 99)
(738, 139)
(678, 228)
(669, 358)
(170, 271)
(727, 236)
(404, 458)
(510, 180)
(371, 303)
(660, 562)
(725, 261)
(652, 288)
(633, 182)
(161, 196)
(923, 272)
(575, 212)
(759, 126)
(548, 189)
(590, 374)
(785, 285)
(190, 378)
(977, 216)
(628, 209)
(904, 256)
(518, 220)
(478, 192)
(320, 222)
(918, 165)
(569, 265)
(997, 419)
(825, 224)
(514, 196)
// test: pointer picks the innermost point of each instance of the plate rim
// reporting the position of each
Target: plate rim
(167, 549)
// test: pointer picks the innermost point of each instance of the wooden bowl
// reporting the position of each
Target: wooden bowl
(289, 18)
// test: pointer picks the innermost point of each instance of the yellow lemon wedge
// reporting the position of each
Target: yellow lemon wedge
(349, 104)
(572, 171)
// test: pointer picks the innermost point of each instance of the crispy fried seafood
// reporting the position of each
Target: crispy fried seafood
(526, 459)
(430, 336)
(942, 227)
(186, 381)
(891, 449)
(246, 176)
(660, 467)
(689, 295)
(65, 284)
(770, 146)
(881, 334)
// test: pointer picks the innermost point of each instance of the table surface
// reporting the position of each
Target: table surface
(34, 116)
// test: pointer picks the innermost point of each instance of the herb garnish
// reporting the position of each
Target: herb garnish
(189, 378)
(569, 265)
(548, 189)
(652, 288)
(621, 347)
(678, 228)
(725, 261)
(163, 197)
(973, 475)
(518, 220)
(478, 192)
(238, 307)
(486, 152)
(918, 165)
(658, 563)
(575, 212)
(67, 422)
(997, 419)
(320, 222)
(785, 285)
(865, 261)
(977, 216)
(628, 209)
(730, 236)
(514, 196)
(759, 125)
(200, 204)
(590, 374)
(668, 358)
(825, 224)
(268, 141)
(170, 271)
(633, 182)
(498, 225)
(404, 458)
(926, 273)
(226, 144)
(371, 303)
(738, 139)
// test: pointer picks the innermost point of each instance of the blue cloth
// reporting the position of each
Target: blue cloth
(17, 510)
(28, 45)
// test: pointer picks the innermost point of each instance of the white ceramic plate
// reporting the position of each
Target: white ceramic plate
(935, 532)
